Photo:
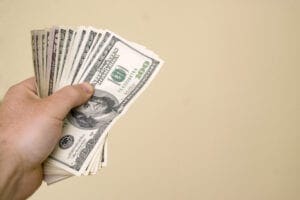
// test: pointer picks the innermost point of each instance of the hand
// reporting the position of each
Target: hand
(30, 127)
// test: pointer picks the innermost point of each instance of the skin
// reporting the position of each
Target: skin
(30, 127)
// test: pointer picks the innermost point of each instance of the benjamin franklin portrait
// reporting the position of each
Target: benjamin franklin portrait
(99, 110)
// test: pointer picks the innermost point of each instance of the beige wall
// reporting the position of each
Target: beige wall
(222, 119)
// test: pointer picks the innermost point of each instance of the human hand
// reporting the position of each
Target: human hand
(30, 127)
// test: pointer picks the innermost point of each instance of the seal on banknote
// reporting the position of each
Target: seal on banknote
(66, 141)
(99, 110)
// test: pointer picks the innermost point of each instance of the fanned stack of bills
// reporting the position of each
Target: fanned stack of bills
(119, 70)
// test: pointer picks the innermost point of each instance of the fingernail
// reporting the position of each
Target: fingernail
(88, 88)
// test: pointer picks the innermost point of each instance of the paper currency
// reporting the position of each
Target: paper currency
(119, 70)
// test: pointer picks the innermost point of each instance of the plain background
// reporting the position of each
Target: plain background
(220, 121)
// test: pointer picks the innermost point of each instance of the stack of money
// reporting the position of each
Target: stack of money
(119, 70)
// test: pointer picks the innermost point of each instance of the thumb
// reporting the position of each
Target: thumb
(61, 102)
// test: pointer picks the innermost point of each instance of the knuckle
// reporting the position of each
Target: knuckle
(13, 88)
(74, 94)
(73, 91)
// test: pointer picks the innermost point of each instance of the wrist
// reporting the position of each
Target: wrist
(11, 171)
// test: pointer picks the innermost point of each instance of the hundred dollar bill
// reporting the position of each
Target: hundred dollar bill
(37, 50)
(71, 56)
(59, 52)
(95, 45)
(52, 58)
(83, 52)
(46, 55)
(55, 178)
(43, 75)
(65, 53)
(87, 66)
(79, 41)
(38, 57)
(34, 57)
(122, 73)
